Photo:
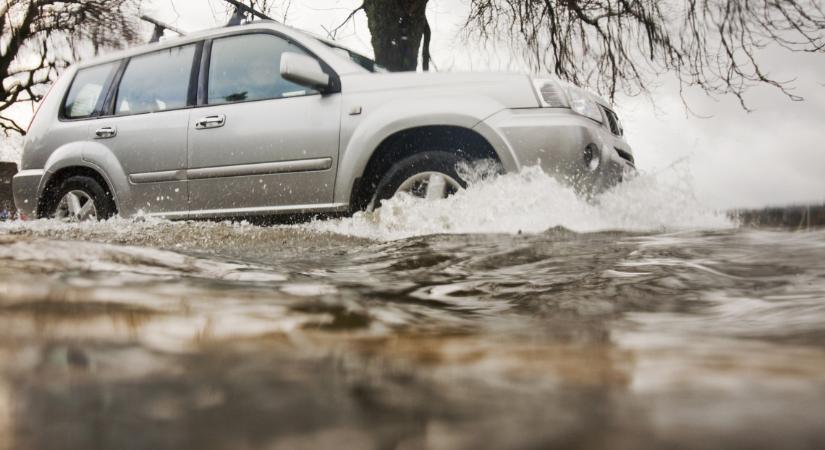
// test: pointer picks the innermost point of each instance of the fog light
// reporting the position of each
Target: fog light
(592, 157)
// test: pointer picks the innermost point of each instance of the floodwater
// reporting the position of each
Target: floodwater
(513, 315)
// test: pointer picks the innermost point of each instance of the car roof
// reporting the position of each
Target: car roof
(312, 43)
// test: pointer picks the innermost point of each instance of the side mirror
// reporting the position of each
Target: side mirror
(303, 70)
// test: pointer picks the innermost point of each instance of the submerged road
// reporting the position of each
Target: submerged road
(197, 335)
(493, 319)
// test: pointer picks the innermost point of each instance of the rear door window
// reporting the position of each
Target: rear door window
(87, 91)
(156, 81)
(248, 67)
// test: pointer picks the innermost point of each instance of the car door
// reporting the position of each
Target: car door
(259, 143)
(146, 128)
(83, 103)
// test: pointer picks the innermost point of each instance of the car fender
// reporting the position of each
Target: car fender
(101, 158)
(393, 117)
(92, 156)
(65, 156)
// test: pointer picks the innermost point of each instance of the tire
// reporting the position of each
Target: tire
(80, 186)
(436, 162)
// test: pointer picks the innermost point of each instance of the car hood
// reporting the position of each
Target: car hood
(513, 90)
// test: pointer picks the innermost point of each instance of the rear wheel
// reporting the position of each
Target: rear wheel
(431, 175)
(79, 199)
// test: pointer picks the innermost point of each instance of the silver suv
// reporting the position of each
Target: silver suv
(263, 119)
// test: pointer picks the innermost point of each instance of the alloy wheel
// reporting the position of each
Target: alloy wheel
(75, 206)
(430, 185)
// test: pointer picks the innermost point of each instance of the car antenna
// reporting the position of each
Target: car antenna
(241, 11)
(159, 28)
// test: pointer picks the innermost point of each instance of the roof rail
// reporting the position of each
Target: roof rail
(159, 28)
(241, 11)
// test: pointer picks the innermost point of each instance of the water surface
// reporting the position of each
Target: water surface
(496, 319)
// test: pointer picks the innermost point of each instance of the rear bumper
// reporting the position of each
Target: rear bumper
(26, 185)
(556, 139)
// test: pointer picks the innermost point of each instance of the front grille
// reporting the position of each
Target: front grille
(613, 121)
(625, 155)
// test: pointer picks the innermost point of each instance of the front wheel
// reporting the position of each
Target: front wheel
(80, 199)
(431, 175)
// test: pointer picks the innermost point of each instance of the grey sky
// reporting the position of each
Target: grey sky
(774, 155)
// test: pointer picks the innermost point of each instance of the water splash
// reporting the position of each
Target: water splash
(526, 202)
(532, 202)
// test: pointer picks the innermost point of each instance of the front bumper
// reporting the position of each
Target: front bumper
(26, 185)
(555, 139)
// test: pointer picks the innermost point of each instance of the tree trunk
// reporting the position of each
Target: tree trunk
(397, 27)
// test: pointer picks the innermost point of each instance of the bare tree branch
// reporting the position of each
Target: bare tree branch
(286, 8)
(334, 32)
(621, 45)
(44, 36)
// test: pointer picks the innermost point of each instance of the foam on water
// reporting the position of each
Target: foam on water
(532, 202)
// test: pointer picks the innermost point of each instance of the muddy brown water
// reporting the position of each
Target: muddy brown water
(132, 335)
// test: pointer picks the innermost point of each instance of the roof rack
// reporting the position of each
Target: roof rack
(241, 10)
(159, 28)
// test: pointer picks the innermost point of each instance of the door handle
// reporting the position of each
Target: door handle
(210, 122)
(105, 133)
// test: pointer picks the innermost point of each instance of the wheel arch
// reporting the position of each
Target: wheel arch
(96, 160)
(52, 182)
(410, 141)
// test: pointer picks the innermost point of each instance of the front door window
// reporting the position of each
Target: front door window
(248, 67)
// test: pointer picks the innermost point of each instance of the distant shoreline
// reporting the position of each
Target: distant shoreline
(799, 217)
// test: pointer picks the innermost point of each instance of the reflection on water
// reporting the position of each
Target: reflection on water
(194, 335)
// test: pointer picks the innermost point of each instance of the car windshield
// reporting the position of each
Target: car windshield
(357, 58)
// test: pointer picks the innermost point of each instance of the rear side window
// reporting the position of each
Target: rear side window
(248, 67)
(87, 91)
(157, 81)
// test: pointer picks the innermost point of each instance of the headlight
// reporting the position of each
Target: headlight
(584, 105)
(553, 95)
(550, 93)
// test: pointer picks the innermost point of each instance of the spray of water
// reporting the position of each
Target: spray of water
(525, 202)
(532, 202)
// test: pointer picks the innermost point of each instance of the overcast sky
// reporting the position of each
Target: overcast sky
(774, 155)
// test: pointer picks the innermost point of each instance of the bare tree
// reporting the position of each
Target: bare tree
(41, 37)
(397, 28)
(618, 45)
